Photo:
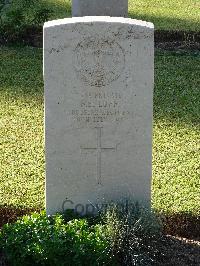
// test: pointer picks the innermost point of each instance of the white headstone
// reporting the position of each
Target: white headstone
(98, 75)
(113, 8)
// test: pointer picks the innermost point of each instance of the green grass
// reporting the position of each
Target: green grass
(176, 151)
(165, 14)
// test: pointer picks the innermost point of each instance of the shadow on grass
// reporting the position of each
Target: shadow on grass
(167, 23)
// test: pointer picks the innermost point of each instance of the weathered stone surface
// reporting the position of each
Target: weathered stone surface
(113, 8)
(98, 75)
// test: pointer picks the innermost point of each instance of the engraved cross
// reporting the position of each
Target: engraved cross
(99, 149)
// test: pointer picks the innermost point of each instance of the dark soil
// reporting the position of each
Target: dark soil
(179, 36)
(182, 224)
(9, 214)
(175, 251)
(167, 40)
(178, 45)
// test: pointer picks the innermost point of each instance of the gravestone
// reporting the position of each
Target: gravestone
(113, 8)
(98, 74)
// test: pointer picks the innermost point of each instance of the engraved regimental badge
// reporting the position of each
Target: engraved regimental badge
(98, 62)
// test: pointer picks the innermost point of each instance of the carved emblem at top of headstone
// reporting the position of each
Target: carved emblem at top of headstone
(98, 62)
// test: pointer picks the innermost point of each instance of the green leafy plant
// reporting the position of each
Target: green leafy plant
(42, 240)
(120, 235)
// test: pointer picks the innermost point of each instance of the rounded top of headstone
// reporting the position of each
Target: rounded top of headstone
(91, 19)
